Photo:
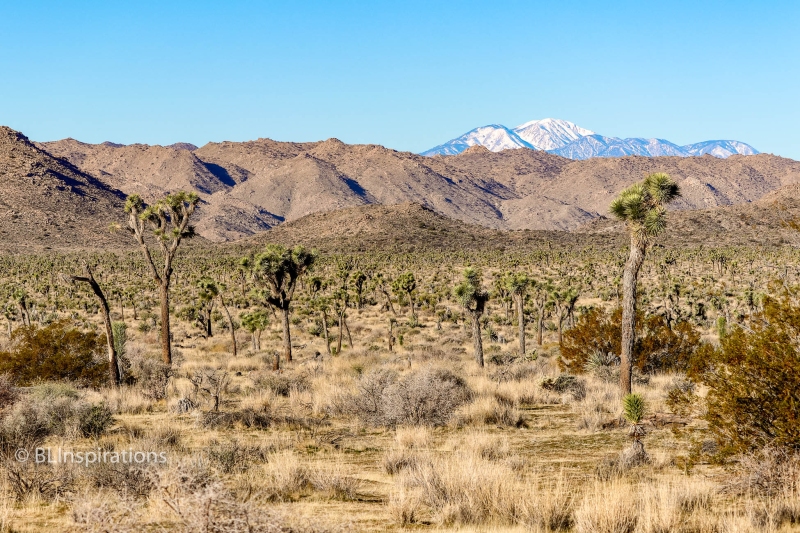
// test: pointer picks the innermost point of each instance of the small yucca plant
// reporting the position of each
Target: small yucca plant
(634, 410)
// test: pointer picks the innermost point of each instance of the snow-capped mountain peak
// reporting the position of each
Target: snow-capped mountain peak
(494, 137)
(550, 133)
(567, 139)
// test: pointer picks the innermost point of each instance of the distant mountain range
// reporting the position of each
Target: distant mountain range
(66, 193)
(569, 140)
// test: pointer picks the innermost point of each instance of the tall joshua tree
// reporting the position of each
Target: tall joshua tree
(516, 285)
(642, 207)
(473, 297)
(278, 268)
(168, 220)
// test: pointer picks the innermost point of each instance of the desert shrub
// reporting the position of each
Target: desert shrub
(247, 417)
(752, 377)
(235, 457)
(767, 471)
(8, 391)
(367, 403)
(566, 383)
(658, 347)
(51, 409)
(24, 427)
(427, 397)
(128, 480)
(681, 398)
(57, 352)
(93, 420)
(519, 370)
(28, 480)
(151, 375)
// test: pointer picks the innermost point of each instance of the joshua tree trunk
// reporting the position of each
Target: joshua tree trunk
(521, 324)
(476, 339)
(560, 329)
(540, 327)
(166, 334)
(629, 278)
(25, 317)
(325, 331)
(287, 336)
(230, 323)
(341, 332)
(208, 323)
(391, 333)
(347, 329)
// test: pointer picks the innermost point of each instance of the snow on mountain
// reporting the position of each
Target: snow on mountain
(601, 146)
(550, 133)
(494, 137)
(570, 140)
(721, 149)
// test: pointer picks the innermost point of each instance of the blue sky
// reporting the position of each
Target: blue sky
(408, 75)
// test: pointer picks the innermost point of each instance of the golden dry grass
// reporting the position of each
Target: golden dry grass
(515, 457)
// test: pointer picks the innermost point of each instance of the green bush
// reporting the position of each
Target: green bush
(754, 398)
(658, 347)
(57, 352)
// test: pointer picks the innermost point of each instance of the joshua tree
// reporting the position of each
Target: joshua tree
(541, 299)
(21, 299)
(406, 283)
(113, 364)
(322, 304)
(255, 323)
(642, 207)
(207, 292)
(231, 324)
(563, 305)
(381, 284)
(278, 269)
(473, 297)
(168, 219)
(516, 285)
(358, 284)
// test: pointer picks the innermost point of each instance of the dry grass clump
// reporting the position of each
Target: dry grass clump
(128, 400)
(477, 484)
(489, 410)
(600, 405)
(334, 479)
(284, 383)
(468, 490)
(406, 450)
(607, 508)
(188, 499)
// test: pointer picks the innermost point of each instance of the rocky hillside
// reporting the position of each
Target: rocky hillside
(760, 223)
(47, 202)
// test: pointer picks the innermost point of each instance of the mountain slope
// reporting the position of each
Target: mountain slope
(46, 202)
(720, 148)
(600, 146)
(493, 137)
(760, 223)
